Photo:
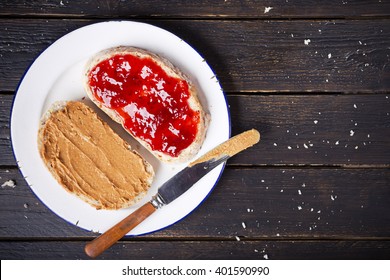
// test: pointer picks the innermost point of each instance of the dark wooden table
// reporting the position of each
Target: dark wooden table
(312, 76)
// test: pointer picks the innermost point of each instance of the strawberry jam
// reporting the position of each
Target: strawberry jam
(153, 105)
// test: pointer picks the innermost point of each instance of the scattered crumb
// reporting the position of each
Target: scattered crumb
(25, 205)
(275, 144)
(368, 135)
(337, 142)
(354, 106)
(281, 190)
(356, 147)
(267, 9)
(351, 133)
(265, 256)
(237, 238)
(333, 197)
(9, 183)
(306, 41)
(289, 147)
(61, 3)
(299, 207)
(243, 225)
(329, 55)
(256, 251)
(303, 185)
(299, 192)
(311, 209)
(304, 145)
(262, 181)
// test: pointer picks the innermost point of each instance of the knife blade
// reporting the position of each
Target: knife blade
(174, 188)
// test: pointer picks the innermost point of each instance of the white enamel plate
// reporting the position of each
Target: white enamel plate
(56, 75)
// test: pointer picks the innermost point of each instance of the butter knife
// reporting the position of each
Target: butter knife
(174, 188)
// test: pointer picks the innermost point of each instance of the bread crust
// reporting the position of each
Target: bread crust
(193, 101)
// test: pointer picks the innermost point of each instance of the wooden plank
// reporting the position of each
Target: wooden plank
(314, 130)
(6, 154)
(208, 9)
(247, 56)
(300, 129)
(272, 203)
(204, 250)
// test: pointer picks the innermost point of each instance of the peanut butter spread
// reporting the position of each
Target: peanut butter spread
(90, 160)
(231, 147)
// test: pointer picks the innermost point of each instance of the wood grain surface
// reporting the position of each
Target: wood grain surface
(198, 9)
(312, 76)
(348, 56)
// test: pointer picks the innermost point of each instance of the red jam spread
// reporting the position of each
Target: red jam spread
(154, 106)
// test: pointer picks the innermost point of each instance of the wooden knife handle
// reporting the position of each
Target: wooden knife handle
(107, 239)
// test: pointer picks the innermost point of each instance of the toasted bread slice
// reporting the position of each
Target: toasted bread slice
(176, 134)
(89, 159)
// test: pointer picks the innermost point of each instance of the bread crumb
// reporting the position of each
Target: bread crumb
(25, 205)
(243, 225)
(299, 192)
(299, 207)
(275, 144)
(329, 55)
(265, 256)
(237, 238)
(289, 147)
(9, 183)
(354, 106)
(306, 41)
(351, 133)
(315, 121)
(304, 145)
(267, 9)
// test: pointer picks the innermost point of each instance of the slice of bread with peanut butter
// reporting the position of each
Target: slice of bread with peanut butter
(89, 159)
